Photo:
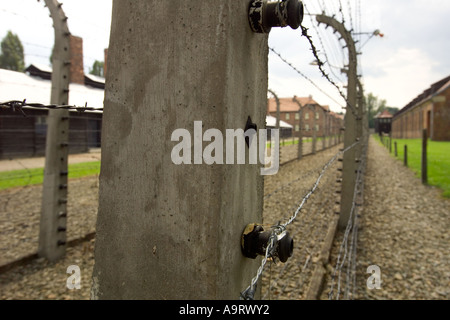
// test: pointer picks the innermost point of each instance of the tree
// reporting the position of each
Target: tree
(12, 57)
(98, 69)
(375, 106)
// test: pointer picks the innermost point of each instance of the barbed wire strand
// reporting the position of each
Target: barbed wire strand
(310, 229)
(249, 292)
(19, 105)
(344, 244)
(322, 71)
(304, 76)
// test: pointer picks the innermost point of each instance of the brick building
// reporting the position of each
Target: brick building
(314, 116)
(430, 110)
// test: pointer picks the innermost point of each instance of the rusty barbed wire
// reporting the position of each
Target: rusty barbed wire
(20, 104)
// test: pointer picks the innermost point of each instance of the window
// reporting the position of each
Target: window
(297, 117)
(317, 127)
(41, 120)
(297, 127)
(288, 116)
(307, 127)
(307, 116)
(40, 125)
(317, 116)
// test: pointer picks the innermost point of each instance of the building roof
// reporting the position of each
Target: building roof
(45, 72)
(384, 115)
(19, 86)
(434, 89)
(272, 123)
(288, 104)
(337, 115)
(94, 81)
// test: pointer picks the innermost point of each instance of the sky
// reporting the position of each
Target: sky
(413, 54)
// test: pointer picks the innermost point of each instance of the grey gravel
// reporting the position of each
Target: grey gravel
(403, 229)
(284, 193)
(20, 212)
(19, 221)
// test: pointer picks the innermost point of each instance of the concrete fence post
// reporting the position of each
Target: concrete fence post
(390, 142)
(352, 120)
(167, 230)
(324, 135)
(52, 234)
(314, 130)
(424, 161)
(405, 155)
(277, 101)
(300, 130)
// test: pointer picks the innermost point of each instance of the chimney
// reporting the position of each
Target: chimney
(76, 60)
(105, 62)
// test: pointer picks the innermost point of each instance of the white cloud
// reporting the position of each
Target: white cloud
(412, 55)
(401, 76)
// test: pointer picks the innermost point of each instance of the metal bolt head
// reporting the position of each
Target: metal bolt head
(285, 248)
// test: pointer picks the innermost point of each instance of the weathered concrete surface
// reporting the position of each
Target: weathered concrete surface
(169, 231)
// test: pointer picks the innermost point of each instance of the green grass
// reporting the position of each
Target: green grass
(19, 178)
(438, 156)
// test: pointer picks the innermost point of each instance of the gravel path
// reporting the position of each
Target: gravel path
(19, 221)
(39, 279)
(283, 194)
(404, 230)
(20, 213)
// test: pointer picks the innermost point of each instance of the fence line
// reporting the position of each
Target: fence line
(20, 105)
(249, 292)
(352, 226)
(313, 226)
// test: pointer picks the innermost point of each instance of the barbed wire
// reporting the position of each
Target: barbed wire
(302, 177)
(309, 229)
(304, 76)
(351, 227)
(320, 65)
(249, 292)
(322, 43)
(19, 105)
